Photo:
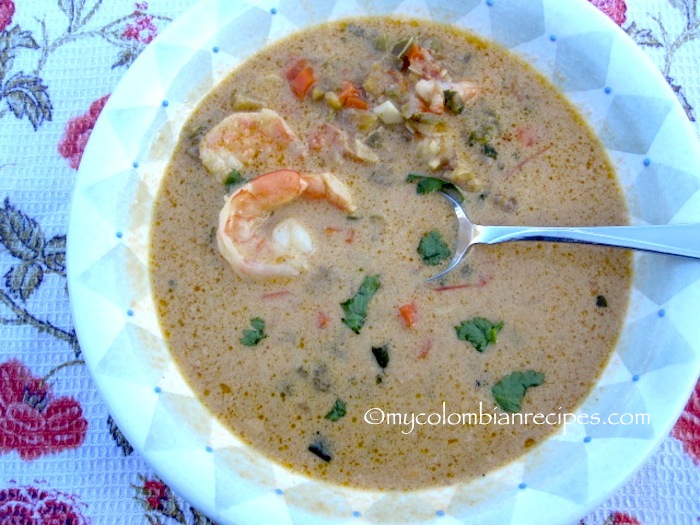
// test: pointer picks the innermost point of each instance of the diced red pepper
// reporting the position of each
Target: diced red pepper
(350, 97)
(322, 319)
(425, 349)
(301, 78)
(409, 314)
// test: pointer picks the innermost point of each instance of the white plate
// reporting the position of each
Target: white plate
(652, 371)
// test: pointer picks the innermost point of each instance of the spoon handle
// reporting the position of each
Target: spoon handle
(674, 239)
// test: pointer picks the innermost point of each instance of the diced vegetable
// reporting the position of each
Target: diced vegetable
(322, 319)
(409, 314)
(510, 390)
(355, 308)
(433, 249)
(453, 101)
(401, 48)
(333, 100)
(339, 410)
(256, 334)
(350, 97)
(301, 78)
(234, 178)
(381, 354)
(388, 113)
(479, 332)
(321, 448)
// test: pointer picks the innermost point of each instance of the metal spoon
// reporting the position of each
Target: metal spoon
(673, 239)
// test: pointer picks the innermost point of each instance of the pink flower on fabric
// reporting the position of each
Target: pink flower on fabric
(39, 506)
(7, 10)
(157, 498)
(143, 29)
(77, 132)
(615, 9)
(620, 518)
(32, 421)
(687, 428)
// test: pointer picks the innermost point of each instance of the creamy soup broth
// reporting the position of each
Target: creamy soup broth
(520, 155)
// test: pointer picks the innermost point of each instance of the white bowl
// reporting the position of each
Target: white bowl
(653, 368)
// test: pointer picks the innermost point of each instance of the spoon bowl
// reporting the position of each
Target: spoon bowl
(672, 239)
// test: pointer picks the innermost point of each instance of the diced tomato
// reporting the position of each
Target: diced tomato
(425, 349)
(349, 233)
(301, 78)
(322, 319)
(350, 97)
(415, 53)
(526, 136)
(409, 314)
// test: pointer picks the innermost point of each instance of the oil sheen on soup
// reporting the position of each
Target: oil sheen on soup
(313, 333)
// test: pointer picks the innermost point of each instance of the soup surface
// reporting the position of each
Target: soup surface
(357, 370)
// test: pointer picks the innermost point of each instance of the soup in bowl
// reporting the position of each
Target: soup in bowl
(278, 351)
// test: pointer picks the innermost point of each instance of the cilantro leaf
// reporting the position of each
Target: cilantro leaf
(256, 334)
(338, 410)
(510, 390)
(234, 178)
(453, 101)
(381, 354)
(355, 308)
(431, 184)
(433, 249)
(479, 332)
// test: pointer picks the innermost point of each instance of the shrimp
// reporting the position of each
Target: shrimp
(243, 137)
(253, 250)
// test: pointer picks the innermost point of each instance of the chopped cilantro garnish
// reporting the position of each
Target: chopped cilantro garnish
(432, 184)
(256, 334)
(490, 151)
(433, 249)
(355, 308)
(479, 332)
(453, 101)
(483, 138)
(338, 410)
(234, 178)
(381, 354)
(510, 390)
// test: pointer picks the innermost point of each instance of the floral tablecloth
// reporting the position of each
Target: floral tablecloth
(62, 458)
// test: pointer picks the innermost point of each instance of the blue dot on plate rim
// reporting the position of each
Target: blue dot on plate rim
(522, 486)
(157, 390)
(273, 11)
(165, 103)
(587, 439)
(279, 492)
(440, 513)
(356, 513)
(607, 90)
(215, 49)
(553, 38)
(209, 449)
(647, 162)
(661, 313)
(130, 312)
(119, 235)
